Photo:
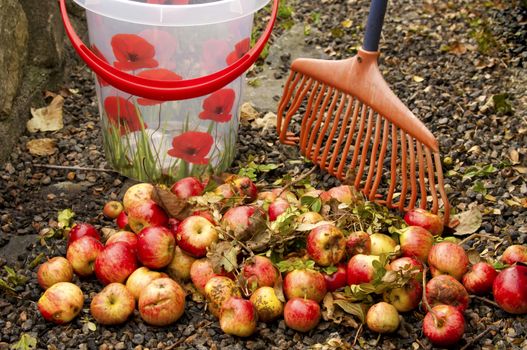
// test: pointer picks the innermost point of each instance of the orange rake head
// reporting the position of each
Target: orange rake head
(355, 127)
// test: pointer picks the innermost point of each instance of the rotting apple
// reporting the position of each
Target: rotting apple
(277, 208)
(137, 194)
(115, 263)
(162, 302)
(141, 278)
(444, 325)
(344, 194)
(82, 229)
(337, 279)
(61, 302)
(155, 247)
(448, 258)
(244, 221)
(445, 289)
(145, 215)
(425, 219)
(405, 298)
(510, 289)
(187, 187)
(326, 245)
(408, 264)
(358, 242)
(382, 318)
(112, 305)
(479, 278)
(259, 271)
(82, 254)
(244, 187)
(112, 209)
(301, 314)
(225, 190)
(514, 253)
(179, 267)
(309, 217)
(238, 317)
(305, 283)
(415, 242)
(267, 304)
(361, 269)
(124, 236)
(217, 291)
(382, 244)
(195, 234)
(57, 269)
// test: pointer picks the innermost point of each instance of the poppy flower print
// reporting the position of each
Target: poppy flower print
(99, 54)
(214, 53)
(192, 147)
(122, 113)
(165, 46)
(132, 52)
(218, 106)
(240, 49)
(156, 74)
(167, 2)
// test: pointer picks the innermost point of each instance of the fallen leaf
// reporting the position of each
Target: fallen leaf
(223, 256)
(42, 147)
(347, 23)
(174, 206)
(417, 78)
(469, 221)
(520, 169)
(473, 256)
(47, 118)
(458, 48)
(514, 156)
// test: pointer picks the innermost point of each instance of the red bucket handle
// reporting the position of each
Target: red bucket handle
(167, 90)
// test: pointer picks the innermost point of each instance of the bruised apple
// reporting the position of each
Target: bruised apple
(448, 258)
(162, 302)
(57, 269)
(137, 194)
(425, 219)
(238, 317)
(326, 245)
(218, 290)
(112, 305)
(259, 272)
(267, 304)
(358, 242)
(445, 289)
(141, 278)
(61, 302)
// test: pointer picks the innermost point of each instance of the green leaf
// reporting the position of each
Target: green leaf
(330, 270)
(502, 104)
(5, 286)
(479, 187)
(65, 218)
(354, 309)
(26, 342)
(36, 261)
(498, 265)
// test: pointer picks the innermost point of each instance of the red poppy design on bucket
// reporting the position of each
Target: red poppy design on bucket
(240, 48)
(123, 113)
(192, 147)
(167, 2)
(156, 74)
(214, 53)
(99, 54)
(132, 52)
(218, 106)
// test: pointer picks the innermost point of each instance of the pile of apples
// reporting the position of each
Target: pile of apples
(154, 258)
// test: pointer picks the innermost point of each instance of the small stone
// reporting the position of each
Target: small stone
(138, 339)
(120, 346)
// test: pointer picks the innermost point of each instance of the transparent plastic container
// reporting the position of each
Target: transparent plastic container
(169, 40)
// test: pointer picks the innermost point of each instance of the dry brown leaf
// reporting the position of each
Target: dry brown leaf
(174, 206)
(417, 78)
(469, 221)
(47, 118)
(42, 147)
(514, 155)
(458, 48)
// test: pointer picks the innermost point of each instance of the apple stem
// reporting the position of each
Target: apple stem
(425, 301)
(300, 178)
(243, 245)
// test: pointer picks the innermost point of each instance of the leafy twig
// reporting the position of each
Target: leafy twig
(490, 302)
(475, 339)
(303, 176)
(481, 235)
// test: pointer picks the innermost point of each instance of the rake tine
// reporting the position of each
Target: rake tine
(441, 184)
(350, 138)
(304, 87)
(355, 111)
(404, 170)
(373, 155)
(343, 101)
(322, 133)
(413, 182)
(320, 117)
(422, 184)
(393, 169)
(288, 92)
(318, 92)
(431, 180)
(380, 163)
(365, 148)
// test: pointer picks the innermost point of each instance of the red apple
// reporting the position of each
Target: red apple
(344, 194)
(122, 221)
(515, 253)
(444, 325)
(326, 245)
(112, 305)
(195, 234)
(510, 289)
(360, 268)
(155, 247)
(244, 187)
(382, 244)
(145, 215)
(238, 317)
(244, 221)
(162, 302)
(179, 267)
(301, 314)
(137, 194)
(124, 236)
(382, 318)
(225, 190)
(479, 279)
(187, 187)
(206, 214)
(57, 269)
(112, 209)
(310, 217)
(415, 242)
(422, 218)
(305, 283)
(445, 289)
(115, 263)
(82, 229)
(61, 302)
(82, 254)
(141, 278)
(323, 195)
(448, 258)
(277, 208)
(200, 273)
(406, 263)
(337, 279)
(267, 304)
(405, 298)
(259, 272)
(285, 194)
(358, 242)
(217, 291)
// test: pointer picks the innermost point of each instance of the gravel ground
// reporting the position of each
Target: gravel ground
(465, 52)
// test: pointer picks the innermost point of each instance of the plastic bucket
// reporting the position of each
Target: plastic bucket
(169, 78)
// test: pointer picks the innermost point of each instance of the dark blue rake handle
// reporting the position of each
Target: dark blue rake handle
(374, 25)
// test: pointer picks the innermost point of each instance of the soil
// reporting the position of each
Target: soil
(459, 65)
